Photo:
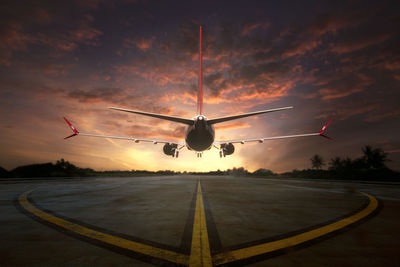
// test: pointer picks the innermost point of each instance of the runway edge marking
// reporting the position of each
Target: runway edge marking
(145, 249)
(269, 247)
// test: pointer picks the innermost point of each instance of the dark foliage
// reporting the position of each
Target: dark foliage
(62, 168)
(4, 173)
(317, 162)
(371, 166)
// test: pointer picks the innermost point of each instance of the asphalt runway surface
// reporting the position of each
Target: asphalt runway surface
(198, 221)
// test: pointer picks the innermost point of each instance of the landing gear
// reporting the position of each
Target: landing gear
(222, 153)
(199, 154)
(176, 153)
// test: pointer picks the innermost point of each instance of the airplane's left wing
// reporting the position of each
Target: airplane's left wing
(136, 140)
(262, 139)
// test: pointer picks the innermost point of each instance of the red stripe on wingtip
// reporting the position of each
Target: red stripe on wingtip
(72, 135)
(327, 137)
(324, 127)
(71, 126)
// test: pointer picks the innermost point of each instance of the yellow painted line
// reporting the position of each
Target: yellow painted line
(244, 253)
(200, 254)
(103, 237)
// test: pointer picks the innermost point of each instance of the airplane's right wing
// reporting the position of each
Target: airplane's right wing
(262, 139)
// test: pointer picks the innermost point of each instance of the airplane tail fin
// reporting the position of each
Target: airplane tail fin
(200, 95)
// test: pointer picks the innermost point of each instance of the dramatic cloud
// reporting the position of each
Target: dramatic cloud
(77, 58)
(141, 43)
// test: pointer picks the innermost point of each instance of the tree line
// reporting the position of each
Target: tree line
(372, 159)
(370, 166)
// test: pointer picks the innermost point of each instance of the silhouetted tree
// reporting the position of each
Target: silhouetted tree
(336, 164)
(374, 158)
(3, 172)
(263, 172)
(317, 162)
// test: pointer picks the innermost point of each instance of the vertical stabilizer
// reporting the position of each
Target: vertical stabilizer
(200, 95)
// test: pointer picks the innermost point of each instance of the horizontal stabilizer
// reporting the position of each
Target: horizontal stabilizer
(158, 116)
(239, 116)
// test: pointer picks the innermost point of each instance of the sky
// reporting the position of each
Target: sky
(76, 58)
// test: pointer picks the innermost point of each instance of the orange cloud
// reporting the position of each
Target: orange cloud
(176, 133)
(332, 93)
(302, 48)
(12, 39)
(141, 43)
(55, 70)
(232, 125)
(350, 46)
(248, 28)
(380, 116)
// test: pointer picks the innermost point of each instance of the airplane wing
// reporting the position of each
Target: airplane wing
(158, 116)
(239, 116)
(136, 140)
(262, 139)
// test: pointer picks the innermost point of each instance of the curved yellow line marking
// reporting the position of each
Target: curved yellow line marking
(103, 237)
(244, 253)
(200, 249)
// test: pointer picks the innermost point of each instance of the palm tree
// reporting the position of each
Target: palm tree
(317, 162)
(336, 164)
(374, 158)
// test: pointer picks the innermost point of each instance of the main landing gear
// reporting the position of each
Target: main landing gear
(199, 154)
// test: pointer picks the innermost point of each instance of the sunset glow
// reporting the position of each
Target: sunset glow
(77, 59)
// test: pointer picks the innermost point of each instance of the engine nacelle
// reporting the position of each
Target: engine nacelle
(228, 149)
(169, 149)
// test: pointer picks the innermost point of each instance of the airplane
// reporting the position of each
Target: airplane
(200, 133)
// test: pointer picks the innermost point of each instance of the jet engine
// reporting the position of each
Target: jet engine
(226, 149)
(170, 149)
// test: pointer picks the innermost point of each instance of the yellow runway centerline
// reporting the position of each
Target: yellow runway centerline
(200, 254)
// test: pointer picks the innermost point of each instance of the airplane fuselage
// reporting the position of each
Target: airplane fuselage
(200, 136)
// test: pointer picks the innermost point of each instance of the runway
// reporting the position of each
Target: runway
(198, 221)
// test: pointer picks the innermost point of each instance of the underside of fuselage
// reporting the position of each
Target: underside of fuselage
(200, 136)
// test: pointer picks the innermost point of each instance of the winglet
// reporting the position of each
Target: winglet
(76, 132)
(322, 131)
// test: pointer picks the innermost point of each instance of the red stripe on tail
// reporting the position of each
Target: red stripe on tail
(200, 96)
